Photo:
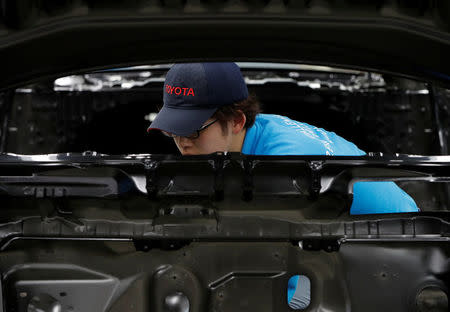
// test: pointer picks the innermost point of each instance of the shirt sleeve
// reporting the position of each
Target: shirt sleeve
(380, 197)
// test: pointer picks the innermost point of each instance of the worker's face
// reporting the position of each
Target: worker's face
(212, 139)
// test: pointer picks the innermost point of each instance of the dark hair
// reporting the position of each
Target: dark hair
(250, 107)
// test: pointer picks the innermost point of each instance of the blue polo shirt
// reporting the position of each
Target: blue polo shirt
(279, 135)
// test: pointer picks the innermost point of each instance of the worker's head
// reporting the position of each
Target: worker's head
(206, 108)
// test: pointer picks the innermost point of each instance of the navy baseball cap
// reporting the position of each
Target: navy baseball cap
(193, 92)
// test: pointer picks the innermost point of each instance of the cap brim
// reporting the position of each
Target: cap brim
(182, 122)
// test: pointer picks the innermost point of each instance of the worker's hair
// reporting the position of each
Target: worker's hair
(250, 107)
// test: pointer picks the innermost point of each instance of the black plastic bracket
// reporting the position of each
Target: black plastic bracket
(151, 177)
(247, 186)
(315, 185)
(328, 245)
(218, 164)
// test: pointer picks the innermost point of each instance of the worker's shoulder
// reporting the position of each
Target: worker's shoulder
(281, 125)
(301, 138)
(280, 135)
(277, 122)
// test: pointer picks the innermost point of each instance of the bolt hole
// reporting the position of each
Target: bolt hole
(174, 277)
(62, 294)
